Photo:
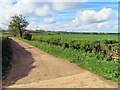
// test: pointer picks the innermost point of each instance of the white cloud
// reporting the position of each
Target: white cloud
(32, 26)
(6, 1)
(91, 16)
(104, 0)
(27, 8)
(5, 12)
(72, 27)
(30, 8)
(88, 20)
(49, 20)
(44, 11)
(69, 0)
(54, 0)
(66, 5)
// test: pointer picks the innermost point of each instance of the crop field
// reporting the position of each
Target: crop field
(82, 36)
(96, 53)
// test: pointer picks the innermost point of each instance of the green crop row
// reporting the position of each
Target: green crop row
(105, 47)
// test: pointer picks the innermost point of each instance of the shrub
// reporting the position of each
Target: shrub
(27, 35)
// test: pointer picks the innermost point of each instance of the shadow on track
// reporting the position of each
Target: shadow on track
(22, 64)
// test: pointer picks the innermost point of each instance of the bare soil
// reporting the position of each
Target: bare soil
(33, 68)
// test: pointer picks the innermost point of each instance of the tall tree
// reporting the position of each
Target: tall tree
(18, 22)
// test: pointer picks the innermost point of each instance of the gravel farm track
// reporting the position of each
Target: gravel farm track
(33, 68)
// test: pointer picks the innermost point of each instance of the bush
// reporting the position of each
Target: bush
(27, 35)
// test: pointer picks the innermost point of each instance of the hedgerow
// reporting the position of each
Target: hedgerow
(108, 48)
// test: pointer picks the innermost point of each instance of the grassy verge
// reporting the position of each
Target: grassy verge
(6, 56)
(89, 61)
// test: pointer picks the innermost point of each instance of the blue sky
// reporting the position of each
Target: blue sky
(86, 16)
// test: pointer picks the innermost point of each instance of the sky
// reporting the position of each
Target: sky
(63, 15)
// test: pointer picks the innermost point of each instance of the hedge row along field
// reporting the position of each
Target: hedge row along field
(98, 56)
(107, 48)
(6, 55)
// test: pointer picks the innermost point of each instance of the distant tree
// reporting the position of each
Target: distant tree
(18, 24)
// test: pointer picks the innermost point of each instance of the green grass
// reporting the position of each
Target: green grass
(82, 36)
(89, 61)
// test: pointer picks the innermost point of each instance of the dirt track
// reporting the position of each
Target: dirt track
(33, 68)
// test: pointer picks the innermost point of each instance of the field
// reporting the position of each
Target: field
(96, 53)
(82, 36)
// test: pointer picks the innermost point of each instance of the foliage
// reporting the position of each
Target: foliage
(18, 23)
(104, 47)
(27, 35)
(13, 30)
